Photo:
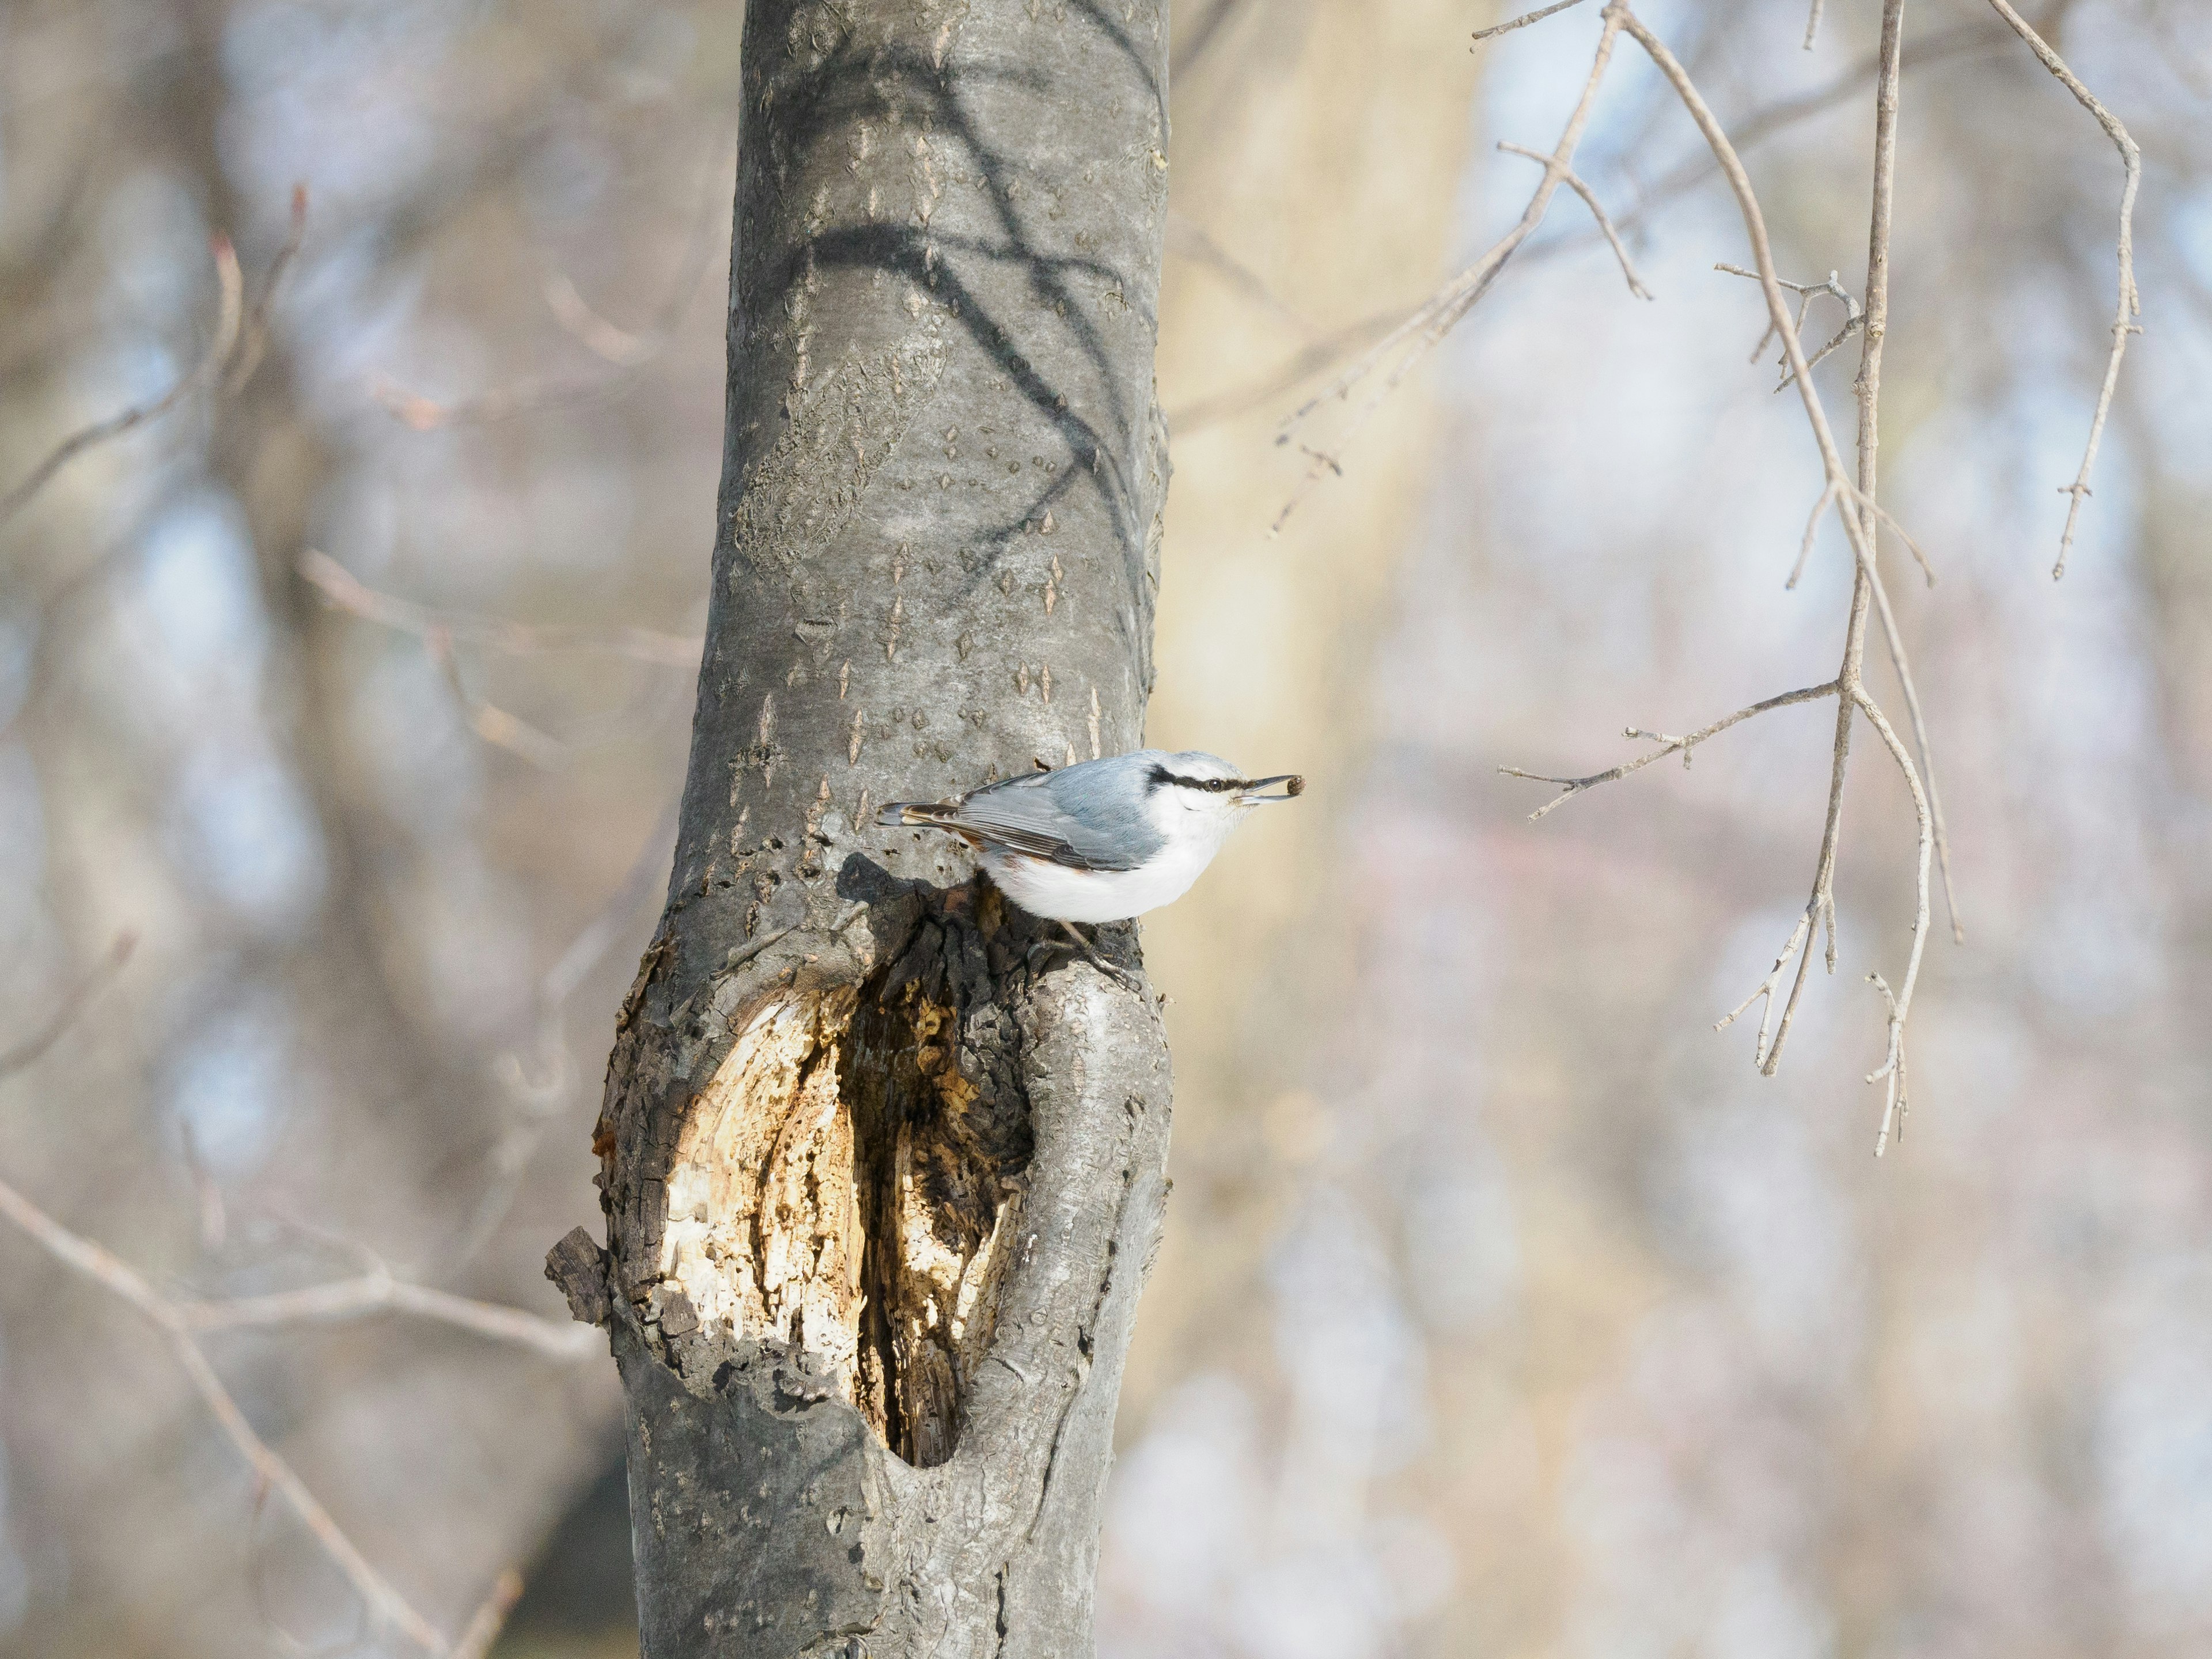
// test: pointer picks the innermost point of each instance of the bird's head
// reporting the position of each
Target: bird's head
(1195, 793)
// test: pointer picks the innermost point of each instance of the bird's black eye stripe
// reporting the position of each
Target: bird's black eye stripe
(1162, 776)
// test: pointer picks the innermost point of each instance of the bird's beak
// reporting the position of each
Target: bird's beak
(1249, 794)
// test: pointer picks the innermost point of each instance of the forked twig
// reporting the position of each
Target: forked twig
(1419, 333)
(1854, 318)
(1574, 182)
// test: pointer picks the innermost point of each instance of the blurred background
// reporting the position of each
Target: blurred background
(1505, 1309)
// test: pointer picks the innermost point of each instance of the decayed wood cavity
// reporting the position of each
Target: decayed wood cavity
(763, 1233)
(847, 1183)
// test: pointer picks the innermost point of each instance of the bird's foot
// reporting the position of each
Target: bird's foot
(1089, 953)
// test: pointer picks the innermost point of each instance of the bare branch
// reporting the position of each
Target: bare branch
(1859, 526)
(1522, 20)
(1569, 787)
(1853, 316)
(2129, 306)
(204, 372)
(1812, 530)
(1813, 24)
(1765, 995)
(1189, 240)
(1597, 211)
(627, 351)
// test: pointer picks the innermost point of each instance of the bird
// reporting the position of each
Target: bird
(1101, 839)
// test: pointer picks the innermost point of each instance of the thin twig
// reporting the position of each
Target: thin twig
(1597, 212)
(1809, 291)
(1812, 530)
(1819, 908)
(1867, 389)
(2129, 306)
(629, 353)
(1190, 240)
(1569, 787)
(538, 1103)
(1522, 20)
(1892, 1065)
(231, 285)
(1813, 24)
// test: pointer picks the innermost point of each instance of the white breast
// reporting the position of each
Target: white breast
(1059, 894)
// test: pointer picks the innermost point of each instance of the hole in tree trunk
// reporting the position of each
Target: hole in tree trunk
(849, 1182)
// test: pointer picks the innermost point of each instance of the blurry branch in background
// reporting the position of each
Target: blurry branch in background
(73, 1004)
(375, 1292)
(347, 592)
(180, 1321)
(2129, 305)
(442, 630)
(228, 306)
(1187, 240)
(239, 341)
(535, 1101)
(385, 1603)
(628, 352)
(378, 1292)
(255, 338)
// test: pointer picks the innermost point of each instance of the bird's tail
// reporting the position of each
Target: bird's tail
(919, 813)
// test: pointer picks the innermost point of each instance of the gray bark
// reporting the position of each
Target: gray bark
(883, 1169)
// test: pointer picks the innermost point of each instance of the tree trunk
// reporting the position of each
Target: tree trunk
(883, 1168)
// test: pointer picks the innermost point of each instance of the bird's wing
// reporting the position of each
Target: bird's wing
(1076, 816)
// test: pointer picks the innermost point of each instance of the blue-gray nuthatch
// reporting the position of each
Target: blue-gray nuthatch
(1102, 840)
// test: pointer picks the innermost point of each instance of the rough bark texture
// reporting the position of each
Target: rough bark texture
(883, 1169)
